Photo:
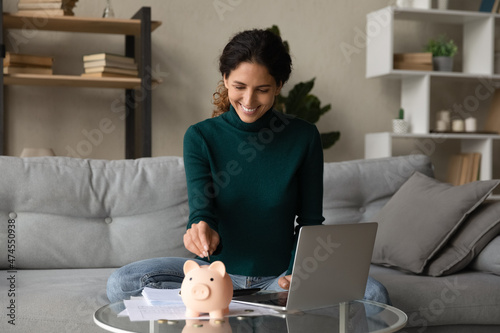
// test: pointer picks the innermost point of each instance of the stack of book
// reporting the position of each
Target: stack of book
(413, 61)
(14, 63)
(464, 168)
(109, 65)
(46, 7)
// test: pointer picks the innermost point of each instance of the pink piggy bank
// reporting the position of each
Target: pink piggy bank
(206, 289)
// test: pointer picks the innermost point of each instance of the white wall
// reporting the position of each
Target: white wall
(326, 39)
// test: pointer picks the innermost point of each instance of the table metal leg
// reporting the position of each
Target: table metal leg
(343, 316)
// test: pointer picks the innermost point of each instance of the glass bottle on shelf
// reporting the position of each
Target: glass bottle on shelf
(108, 11)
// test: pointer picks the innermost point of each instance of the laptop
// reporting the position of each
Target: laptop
(331, 266)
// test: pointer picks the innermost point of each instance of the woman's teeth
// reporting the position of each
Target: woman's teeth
(248, 110)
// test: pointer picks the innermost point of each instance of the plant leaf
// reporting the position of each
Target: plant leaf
(311, 110)
(329, 139)
(325, 109)
(275, 30)
(296, 97)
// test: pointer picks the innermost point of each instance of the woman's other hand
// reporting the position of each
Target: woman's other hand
(284, 281)
(201, 240)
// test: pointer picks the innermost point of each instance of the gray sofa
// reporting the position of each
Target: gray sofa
(66, 224)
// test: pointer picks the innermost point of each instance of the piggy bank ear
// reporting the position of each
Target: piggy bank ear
(189, 265)
(219, 267)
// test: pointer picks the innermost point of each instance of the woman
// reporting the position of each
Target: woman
(251, 172)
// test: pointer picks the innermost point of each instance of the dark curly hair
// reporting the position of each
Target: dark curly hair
(258, 46)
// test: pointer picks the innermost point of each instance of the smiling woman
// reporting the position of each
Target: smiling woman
(254, 178)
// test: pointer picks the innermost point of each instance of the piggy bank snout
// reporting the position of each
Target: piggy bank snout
(200, 291)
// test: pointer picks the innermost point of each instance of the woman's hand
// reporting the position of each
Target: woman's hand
(284, 281)
(201, 240)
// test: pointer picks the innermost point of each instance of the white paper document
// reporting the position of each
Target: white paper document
(167, 304)
(162, 296)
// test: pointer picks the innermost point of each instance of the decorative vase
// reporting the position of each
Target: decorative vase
(443, 64)
(108, 11)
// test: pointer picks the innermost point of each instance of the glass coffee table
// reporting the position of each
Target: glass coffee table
(353, 317)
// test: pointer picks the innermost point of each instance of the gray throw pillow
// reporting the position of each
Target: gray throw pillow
(420, 218)
(482, 225)
(489, 259)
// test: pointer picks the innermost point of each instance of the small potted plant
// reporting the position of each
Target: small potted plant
(443, 50)
(400, 125)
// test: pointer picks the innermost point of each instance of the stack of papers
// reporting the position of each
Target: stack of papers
(166, 304)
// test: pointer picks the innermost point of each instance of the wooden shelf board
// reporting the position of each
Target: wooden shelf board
(75, 24)
(71, 81)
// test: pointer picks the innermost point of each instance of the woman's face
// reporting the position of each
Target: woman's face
(251, 90)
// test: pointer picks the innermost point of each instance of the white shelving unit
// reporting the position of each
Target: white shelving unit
(478, 63)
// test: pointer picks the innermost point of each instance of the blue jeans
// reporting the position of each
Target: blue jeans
(167, 273)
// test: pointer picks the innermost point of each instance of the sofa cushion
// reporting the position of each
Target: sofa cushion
(489, 259)
(467, 297)
(482, 225)
(78, 213)
(354, 191)
(419, 219)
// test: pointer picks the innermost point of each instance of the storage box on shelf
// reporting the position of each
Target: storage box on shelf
(137, 32)
(478, 64)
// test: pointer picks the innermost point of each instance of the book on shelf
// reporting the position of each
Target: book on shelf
(44, 12)
(463, 168)
(466, 169)
(454, 169)
(16, 59)
(413, 61)
(109, 63)
(27, 70)
(486, 5)
(489, 6)
(38, 5)
(46, 7)
(496, 6)
(476, 163)
(493, 119)
(419, 57)
(42, 1)
(114, 70)
(15, 63)
(106, 74)
(108, 57)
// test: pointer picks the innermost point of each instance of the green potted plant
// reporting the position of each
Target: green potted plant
(304, 105)
(443, 50)
(400, 125)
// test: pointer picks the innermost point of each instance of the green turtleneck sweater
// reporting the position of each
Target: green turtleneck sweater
(249, 182)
